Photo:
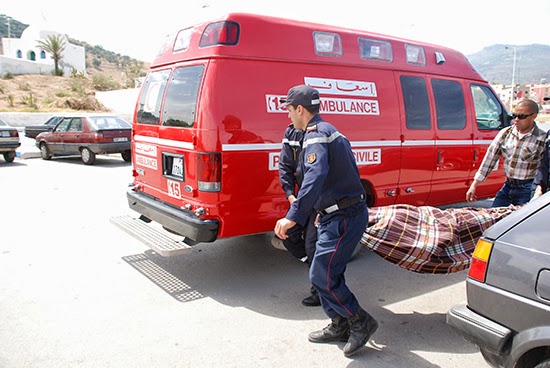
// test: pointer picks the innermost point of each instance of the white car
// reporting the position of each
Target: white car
(9, 141)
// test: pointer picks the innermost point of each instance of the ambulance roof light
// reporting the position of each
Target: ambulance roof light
(183, 39)
(415, 55)
(220, 33)
(439, 58)
(375, 50)
(327, 44)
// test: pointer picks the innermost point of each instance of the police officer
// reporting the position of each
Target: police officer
(301, 239)
(332, 187)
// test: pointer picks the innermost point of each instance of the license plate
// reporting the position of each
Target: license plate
(5, 134)
(177, 167)
(120, 139)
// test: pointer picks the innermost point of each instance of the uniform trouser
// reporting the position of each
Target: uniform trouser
(301, 240)
(338, 234)
(516, 194)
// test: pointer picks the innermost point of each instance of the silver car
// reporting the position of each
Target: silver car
(507, 313)
(9, 141)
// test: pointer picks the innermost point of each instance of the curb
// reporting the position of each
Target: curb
(26, 155)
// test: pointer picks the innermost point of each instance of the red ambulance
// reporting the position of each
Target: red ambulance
(208, 123)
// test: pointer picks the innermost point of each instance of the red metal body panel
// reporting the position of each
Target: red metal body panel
(237, 114)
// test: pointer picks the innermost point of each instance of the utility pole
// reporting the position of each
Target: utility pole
(513, 81)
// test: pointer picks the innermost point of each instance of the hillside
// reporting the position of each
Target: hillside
(495, 63)
(106, 70)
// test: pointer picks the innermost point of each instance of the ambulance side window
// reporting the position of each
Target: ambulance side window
(151, 98)
(489, 112)
(417, 104)
(449, 104)
(181, 97)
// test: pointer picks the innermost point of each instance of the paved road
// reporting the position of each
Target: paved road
(75, 291)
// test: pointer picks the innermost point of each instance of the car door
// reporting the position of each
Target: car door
(453, 142)
(417, 153)
(55, 138)
(73, 136)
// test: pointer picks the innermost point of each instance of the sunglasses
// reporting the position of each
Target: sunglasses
(521, 116)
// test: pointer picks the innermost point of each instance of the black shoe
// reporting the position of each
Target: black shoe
(362, 327)
(338, 330)
(312, 300)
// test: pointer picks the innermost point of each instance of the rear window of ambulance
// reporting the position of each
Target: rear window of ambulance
(181, 97)
(150, 100)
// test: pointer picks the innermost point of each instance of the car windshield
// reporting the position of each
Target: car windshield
(108, 122)
(3, 123)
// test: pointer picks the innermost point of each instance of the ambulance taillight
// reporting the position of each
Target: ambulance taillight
(220, 33)
(209, 167)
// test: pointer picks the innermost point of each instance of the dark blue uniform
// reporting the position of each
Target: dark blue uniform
(332, 186)
(543, 175)
(301, 239)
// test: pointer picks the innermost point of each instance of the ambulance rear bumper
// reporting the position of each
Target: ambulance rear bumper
(182, 222)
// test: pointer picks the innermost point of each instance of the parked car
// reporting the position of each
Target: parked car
(9, 141)
(32, 131)
(507, 313)
(87, 136)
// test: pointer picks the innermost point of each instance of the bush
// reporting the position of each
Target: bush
(7, 75)
(24, 87)
(96, 63)
(78, 86)
(101, 82)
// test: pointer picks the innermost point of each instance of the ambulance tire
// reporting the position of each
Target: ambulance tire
(357, 252)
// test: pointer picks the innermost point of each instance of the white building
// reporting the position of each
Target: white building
(23, 56)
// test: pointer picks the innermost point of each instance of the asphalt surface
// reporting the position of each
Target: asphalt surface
(76, 291)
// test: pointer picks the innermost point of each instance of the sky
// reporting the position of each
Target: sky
(137, 29)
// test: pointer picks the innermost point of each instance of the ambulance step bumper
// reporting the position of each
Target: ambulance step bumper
(155, 239)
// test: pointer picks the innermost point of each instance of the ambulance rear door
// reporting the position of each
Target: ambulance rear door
(165, 134)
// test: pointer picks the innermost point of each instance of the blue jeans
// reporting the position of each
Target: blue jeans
(516, 194)
(337, 236)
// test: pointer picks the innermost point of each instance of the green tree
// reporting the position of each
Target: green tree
(55, 45)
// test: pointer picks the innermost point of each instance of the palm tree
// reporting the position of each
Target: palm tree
(54, 44)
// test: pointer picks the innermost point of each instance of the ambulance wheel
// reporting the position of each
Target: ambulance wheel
(9, 156)
(88, 157)
(357, 251)
(127, 156)
(45, 151)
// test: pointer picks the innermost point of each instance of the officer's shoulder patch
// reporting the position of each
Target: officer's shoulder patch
(311, 128)
(311, 158)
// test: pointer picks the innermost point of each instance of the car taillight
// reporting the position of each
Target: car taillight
(209, 167)
(220, 33)
(478, 267)
(14, 133)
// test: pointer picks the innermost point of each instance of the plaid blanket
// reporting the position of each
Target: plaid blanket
(428, 239)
